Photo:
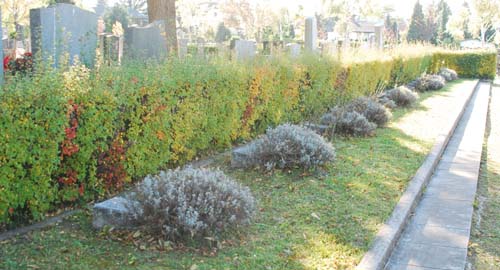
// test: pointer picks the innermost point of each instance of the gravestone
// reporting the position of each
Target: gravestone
(379, 37)
(266, 47)
(293, 49)
(244, 49)
(311, 35)
(1, 50)
(183, 47)
(64, 28)
(114, 213)
(329, 48)
(200, 52)
(147, 42)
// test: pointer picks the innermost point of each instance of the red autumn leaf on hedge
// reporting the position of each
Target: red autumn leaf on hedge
(81, 190)
(70, 133)
(11, 210)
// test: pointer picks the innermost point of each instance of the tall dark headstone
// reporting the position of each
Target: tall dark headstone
(62, 28)
(146, 42)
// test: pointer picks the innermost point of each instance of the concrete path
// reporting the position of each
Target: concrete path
(437, 235)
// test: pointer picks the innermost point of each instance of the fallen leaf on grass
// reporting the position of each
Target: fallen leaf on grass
(136, 234)
(314, 215)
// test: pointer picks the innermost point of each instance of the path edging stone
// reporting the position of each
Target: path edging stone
(37, 226)
(388, 236)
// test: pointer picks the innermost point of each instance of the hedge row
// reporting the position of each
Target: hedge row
(467, 64)
(75, 135)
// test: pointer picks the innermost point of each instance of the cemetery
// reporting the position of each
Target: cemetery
(131, 138)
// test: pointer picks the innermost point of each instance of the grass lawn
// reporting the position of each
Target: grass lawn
(322, 220)
(484, 246)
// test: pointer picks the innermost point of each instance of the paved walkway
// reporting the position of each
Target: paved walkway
(437, 235)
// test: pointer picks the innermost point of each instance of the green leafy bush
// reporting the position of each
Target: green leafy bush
(73, 135)
(468, 64)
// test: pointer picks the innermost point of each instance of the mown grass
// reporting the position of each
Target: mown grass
(484, 245)
(307, 220)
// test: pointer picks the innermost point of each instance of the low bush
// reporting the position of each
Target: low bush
(371, 110)
(388, 103)
(190, 203)
(429, 83)
(348, 123)
(468, 64)
(401, 96)
(448, 74)
(290, 146)
(333, 115)
(71, 135)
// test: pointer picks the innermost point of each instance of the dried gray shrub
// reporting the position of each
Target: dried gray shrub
(290, 146)
(401, 96)
(448, 74)
(430, 83)
(190, 204)
(371, 110)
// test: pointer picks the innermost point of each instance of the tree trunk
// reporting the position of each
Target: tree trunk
(165, 10)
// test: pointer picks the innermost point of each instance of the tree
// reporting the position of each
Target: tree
(416, 32)
(431, 25)
(240, 14)
(165, 10)
(444, 13)
(223, 33)
(486, 17)
(391, 29)
(15, 14)
(139, 5)
(459, 24)
(117, 14)
(101, 7)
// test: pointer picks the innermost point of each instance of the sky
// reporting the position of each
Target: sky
(402, 8)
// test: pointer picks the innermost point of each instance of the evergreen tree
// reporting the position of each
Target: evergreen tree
(431, 25)
(416, 32)
(466, 22)
(223, 33)
(116, 14)
(443, 13)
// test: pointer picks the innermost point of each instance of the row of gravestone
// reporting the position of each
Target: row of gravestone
(65, 28)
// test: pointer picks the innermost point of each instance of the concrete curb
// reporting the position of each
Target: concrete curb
(387, 237)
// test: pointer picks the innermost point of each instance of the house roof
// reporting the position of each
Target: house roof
(362, 26)
(135, 14)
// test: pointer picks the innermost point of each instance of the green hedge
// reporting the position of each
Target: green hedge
(78, 135)
(468, 64)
